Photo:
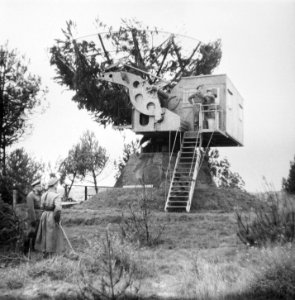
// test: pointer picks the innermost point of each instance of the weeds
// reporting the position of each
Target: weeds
(206, 279)
(275, 276)
(108, 271)
(137, 226)
(271, 224)
(57, 268)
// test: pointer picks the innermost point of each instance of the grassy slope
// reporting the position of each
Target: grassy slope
(199, 253)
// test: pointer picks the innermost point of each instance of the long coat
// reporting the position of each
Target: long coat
(49, 235)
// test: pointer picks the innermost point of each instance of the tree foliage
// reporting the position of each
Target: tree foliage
(78, 63)
(220, 170)
(72, 167)
(289, 183)
(21, 171)
(128, 149)
(95, 157)
(20, 95)
(85, 158)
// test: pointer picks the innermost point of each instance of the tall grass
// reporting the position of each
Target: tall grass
(272, 223)
(265, 273)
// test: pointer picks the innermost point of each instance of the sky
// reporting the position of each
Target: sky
(258, 45)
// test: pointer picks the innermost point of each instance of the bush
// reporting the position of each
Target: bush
(108, 270)
(289, 183)
(271, 224)
(11, 228)
(137, 226)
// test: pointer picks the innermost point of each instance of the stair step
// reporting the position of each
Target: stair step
(182, 180)
(180, 186)
(177, 186)
(176, 201)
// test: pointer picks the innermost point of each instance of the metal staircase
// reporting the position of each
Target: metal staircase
(185, 173)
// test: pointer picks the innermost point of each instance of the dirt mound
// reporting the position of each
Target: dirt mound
(223, 199)
(121, 197)
(204, 199)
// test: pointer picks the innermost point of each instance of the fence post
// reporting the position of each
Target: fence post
(85, 192)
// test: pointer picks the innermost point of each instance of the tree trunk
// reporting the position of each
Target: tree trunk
(71, 185)
(3, 158)
(94, 181)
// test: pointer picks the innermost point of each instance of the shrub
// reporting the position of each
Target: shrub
(289, 183)
(270, 224)
(11, 228)
(108, 270)
(137, 226)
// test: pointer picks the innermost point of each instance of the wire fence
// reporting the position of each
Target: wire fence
(83, 192)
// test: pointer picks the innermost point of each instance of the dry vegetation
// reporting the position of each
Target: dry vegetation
(198, 256)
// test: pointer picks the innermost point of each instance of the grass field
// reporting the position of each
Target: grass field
(198, 255)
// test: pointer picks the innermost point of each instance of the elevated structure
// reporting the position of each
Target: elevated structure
(199, 111)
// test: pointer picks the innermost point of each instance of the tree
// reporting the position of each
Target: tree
(72, 167)
(20, 95)
(93, 156)
(221, 173)
(21, 171)
(78, 63)
(128, 149)
(289, 183)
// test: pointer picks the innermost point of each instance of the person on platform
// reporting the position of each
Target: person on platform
(33, 201)
(197, 99)
(49, 239)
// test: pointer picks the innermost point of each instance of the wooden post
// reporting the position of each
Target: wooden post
(85, 192)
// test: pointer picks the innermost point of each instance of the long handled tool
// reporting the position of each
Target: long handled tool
(66, 237)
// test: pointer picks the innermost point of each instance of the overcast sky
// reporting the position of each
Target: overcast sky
(258, 44)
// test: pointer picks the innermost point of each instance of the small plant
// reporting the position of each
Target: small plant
(275, 222)
(108, 271)
(137, 226)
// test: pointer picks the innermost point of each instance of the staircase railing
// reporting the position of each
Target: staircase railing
(169, 162)
(195, 152)
(173, 176)
(194, 178)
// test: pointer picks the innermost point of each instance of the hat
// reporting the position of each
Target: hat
(52, 181)
(36, 182)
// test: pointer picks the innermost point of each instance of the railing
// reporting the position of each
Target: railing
(82, 192)
(175, 166)
(207, 112)
(169, 163)
(193, 182)
(195, 151)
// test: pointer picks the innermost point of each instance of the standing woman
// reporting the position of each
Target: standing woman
(49, 239)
